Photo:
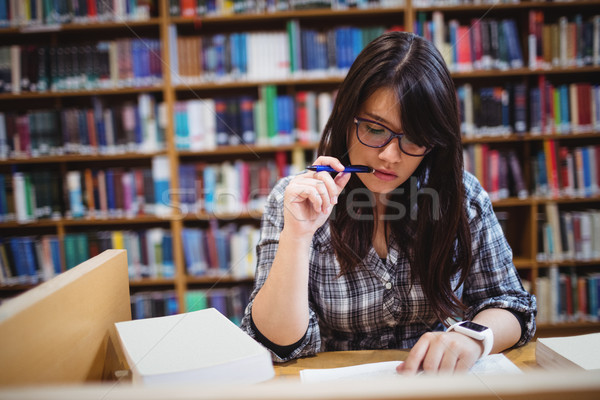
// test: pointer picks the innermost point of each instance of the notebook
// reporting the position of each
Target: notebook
(195, 347)
(576, 352)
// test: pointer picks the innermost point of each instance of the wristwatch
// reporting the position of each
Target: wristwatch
(477, 332)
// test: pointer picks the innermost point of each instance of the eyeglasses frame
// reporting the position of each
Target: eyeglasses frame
(358, 120)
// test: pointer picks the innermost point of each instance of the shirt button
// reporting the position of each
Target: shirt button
(388, 285)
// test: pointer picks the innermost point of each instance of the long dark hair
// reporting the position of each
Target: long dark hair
(435, 235)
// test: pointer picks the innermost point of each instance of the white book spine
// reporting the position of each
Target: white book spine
(325, 104)
(194, 117)
(209, 124)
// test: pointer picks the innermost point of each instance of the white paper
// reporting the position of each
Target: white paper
(492, 364)
(385, 368)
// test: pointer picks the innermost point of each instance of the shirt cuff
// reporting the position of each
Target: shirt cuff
(280, 351)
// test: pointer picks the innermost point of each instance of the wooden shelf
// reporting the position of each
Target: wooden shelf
(80, 26)
(313, 14)
(247, 149)
(81, 93)
(569, 263)
(217, 279)
(507, 6)
(81, 158)
(138, 220)
(151, 282)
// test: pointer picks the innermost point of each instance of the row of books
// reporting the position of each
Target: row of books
(197, 8)
(91, 193)
(266, 55)
(498, 171)
(230, 302)
(32, 259)
(227, 188)
(484, 44)
(233, 188)
(29, 260)
(568, 235)
(149, 251)
(157, 303)
(101, 65)
(492, 111)
(565, 296)
(568, 42)
(26, 197)
(100, 129)
(272, 119)
(50, 12)
(564, 108)
(561, 171)
(218, 251)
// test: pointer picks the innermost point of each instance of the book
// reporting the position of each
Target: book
(194, 347)
(574, 352)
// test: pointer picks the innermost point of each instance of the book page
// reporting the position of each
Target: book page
(492, 364)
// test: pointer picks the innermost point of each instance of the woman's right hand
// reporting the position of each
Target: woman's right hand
(309, 198)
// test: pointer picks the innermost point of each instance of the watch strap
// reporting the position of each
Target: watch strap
(488, 337)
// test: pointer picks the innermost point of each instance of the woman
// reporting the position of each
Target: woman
(385, 259)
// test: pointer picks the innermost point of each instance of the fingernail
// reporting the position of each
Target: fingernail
(335, 199)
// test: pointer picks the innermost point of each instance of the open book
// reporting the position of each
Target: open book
(195, 347)
(577, 352)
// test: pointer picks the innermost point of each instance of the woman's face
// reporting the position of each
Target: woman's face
(392, 166)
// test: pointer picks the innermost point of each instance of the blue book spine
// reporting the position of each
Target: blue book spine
(4, 21)
(565, 121)
(167, 251)
(218, 300)
(210, 180)
(244, 53)
(110, 192)
(188, 254)
(219, 42)
(171, 305)
(247, 119)
(18, 258)
(357, 43)
(339, 48)
(542, 181)
(587, 171)
(3, 201)
(55, 253)
(31, 262)
(139, 134)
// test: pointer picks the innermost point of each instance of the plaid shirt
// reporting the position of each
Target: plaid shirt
(376, 307)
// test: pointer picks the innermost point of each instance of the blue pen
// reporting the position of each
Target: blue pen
(350, 168)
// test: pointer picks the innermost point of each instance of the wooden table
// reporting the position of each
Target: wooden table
(523, 357)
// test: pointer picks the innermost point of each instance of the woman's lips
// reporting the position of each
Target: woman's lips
(385, 175)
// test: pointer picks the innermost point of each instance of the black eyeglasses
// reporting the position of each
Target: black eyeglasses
(373, 134)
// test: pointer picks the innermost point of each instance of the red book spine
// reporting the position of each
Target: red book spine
(91, 125)
(91, 9)
(188, 8)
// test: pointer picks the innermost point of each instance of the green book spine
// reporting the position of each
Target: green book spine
(29, 197)
(271, 105)
(83, 250)
(70, 251)
(195, 300)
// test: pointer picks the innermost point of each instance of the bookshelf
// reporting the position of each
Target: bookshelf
(174, 91)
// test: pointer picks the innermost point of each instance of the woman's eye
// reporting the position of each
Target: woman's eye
(375, 130)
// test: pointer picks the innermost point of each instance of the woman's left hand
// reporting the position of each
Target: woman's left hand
(442, 352)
